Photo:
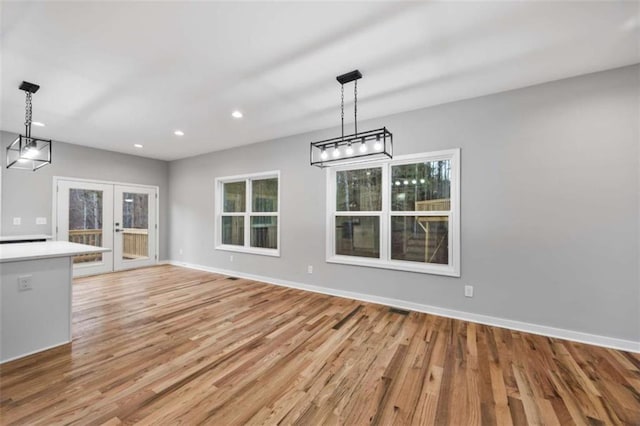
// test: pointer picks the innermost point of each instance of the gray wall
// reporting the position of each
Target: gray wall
(550, 206)
(28, 195)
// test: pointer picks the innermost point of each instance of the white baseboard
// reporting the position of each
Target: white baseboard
(561, 333)
(26, 354)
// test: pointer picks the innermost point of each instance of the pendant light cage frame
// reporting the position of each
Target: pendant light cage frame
(27, 152)
(354, 148)
(378, 143)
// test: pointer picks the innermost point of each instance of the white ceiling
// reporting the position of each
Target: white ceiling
(118, 73)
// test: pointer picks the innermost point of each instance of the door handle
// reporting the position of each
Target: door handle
(118, 230)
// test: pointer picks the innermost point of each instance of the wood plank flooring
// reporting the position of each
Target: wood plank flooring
(168, 345)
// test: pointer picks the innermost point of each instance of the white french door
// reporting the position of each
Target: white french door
(134, 240)
(120, 217)
(85, 216)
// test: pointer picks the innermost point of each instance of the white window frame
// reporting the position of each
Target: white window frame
(219, 204)
(385, 261)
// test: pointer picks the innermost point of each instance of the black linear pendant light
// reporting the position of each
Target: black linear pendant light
(27, 152)
(357, 147)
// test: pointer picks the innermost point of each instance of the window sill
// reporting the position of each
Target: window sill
(250, 250)
(397, 265)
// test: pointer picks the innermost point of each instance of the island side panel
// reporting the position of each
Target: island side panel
(38, 318)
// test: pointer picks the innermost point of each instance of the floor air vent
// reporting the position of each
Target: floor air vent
(233, 278)
(398, 311)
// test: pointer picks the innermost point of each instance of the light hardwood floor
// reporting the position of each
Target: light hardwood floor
(165, 345)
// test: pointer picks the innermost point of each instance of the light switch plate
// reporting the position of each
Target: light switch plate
(41, 220)
(17, 221)
(468, 291)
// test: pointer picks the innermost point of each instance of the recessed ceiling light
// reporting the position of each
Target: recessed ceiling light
(236, 114)
(631, 24)
(37, 123)
(178, 133)
(137, 145)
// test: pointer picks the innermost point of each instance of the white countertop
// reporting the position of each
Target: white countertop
(25, 237)
(43, 250)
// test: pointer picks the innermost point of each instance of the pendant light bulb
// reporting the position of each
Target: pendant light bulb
(349, 150)
(363, 147)
(324, 154)
(336, 152)
(378, 145)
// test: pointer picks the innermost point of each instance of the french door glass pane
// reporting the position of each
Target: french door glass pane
(358, 236)
(264, 232)
(135, 226)
(85, 221)
(264, 195)
(233, 230)
(420, 239)
(359, 190)
(424, 186)
(235, 197)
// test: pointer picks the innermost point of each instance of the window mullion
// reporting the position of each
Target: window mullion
(385, 218)
(358, 213)
(421, 213)
(247, 215)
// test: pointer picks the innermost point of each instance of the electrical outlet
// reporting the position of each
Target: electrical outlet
(310, 269)
(231, 258)
(41, 220)
(17, 221)
(24, 283)
(468, 291)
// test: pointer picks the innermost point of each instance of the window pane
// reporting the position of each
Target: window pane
(421, 186)
(85, 221)
(264, 195)
(235, 197)
(359, 190)
(233, 230)
(135, 224)
(135, 210)
(358, 236)
(420, 239)
(264, 232)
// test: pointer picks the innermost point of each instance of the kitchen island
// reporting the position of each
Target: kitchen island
(35, 295)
